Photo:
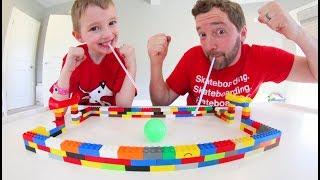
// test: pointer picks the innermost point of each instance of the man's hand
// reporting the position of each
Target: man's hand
(158, 48)
(279, 20)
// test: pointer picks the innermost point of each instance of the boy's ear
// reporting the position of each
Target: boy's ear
(77, 35)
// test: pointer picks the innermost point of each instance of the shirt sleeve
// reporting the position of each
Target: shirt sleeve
(179, 80)
(275, 63)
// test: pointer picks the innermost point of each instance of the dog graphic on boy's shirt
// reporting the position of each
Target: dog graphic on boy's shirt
(96, 95)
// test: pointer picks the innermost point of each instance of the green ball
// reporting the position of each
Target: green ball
(155, 130)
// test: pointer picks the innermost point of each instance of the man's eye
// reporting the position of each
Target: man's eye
(112, 23)
(220, 32)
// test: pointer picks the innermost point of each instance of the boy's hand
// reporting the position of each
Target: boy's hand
(74, 58)
(279, 20)
(128, 54)
(158, 48)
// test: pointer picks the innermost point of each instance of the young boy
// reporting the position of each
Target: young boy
(91, 69)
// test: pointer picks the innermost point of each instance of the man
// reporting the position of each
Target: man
(238, 67)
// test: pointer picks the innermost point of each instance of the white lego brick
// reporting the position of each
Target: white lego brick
(42, 153)
(109, 151)
(104, 108)
(48, 125)
(76, 115)
(53, 143)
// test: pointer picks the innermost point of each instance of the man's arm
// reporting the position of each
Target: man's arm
(304, 69)
(160, 93)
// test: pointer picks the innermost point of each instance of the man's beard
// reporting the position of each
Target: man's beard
(224, 59)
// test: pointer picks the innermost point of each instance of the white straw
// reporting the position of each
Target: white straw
(125, 70)
(204, 86)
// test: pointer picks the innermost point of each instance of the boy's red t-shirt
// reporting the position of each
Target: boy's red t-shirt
(256, 65)
(97, 84)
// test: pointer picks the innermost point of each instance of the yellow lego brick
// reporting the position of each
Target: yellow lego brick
(86, 114)
(229, 121)
(174, 109)
(74, 107)
(242, 126)
(230, 97)
(246, 109)
(91, 164)
(113, 112)
(231, 105)
(187, 151)
(64, 130)
(247, 141)
(58, 152)
(75, 122)
(229, 114)
(41, 130)
(60, 110)
(162, 168)
(243, 142)
(95, 112)
(33, 145)
(126, 117)
(58, 114)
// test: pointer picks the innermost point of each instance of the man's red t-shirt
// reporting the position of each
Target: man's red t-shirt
(256, 65)
(97, 84)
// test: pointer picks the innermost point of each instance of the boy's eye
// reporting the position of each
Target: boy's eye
(112, 23)
(95, 28)
(202, 35)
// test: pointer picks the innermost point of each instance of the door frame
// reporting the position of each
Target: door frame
(5, 59)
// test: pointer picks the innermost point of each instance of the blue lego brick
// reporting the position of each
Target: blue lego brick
(184, 115)
(266, 136)
(183, 109)
(208, 163)
(244, 150)
(240, 104)
(147, 162)
(135, 109)
(26, 142)
(40, 139)
(247, 121)
(55, 130)
(168, 161)
(207, 148)
(89, 149)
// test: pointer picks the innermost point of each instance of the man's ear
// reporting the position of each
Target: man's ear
(243, 33)
(77, 35)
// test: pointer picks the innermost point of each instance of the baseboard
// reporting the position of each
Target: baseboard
(16, 116)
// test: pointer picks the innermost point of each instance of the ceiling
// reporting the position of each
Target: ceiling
(288, 4)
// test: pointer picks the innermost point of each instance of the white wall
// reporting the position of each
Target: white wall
(139, 20)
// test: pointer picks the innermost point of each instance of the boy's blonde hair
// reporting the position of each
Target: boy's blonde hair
(79, 7)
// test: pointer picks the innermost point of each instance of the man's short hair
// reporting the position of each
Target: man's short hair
(232, 9)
